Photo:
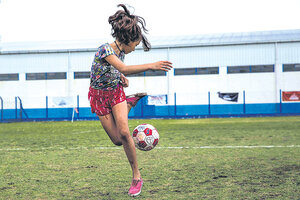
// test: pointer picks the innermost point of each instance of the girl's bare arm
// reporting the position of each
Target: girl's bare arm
(133, 69)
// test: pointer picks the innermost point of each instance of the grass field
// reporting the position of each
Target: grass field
(232, 158)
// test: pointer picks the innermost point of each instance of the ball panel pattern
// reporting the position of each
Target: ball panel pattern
(145, 137)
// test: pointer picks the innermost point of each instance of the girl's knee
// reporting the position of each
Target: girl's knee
(125, 136)
(117, 143)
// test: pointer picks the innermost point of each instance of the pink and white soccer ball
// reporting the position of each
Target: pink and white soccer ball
(145, 137)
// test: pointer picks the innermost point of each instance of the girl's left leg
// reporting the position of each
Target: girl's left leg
(109, 125)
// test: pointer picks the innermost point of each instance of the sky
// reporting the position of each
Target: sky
(49, 20)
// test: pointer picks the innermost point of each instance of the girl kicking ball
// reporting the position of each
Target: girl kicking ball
(108, 77)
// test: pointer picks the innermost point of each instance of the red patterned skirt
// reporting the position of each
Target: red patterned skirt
(102, 101)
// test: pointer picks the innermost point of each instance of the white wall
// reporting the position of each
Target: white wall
(191, 89)
(18, 63)
(231, 55)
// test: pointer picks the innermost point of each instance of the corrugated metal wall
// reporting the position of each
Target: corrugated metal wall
(21, 63)
(289, 52)
(231, 55)
(81, 61)
(223, 55)
(192, 89)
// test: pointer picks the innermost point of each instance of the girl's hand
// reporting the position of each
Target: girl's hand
(162, 65)
(124, 81)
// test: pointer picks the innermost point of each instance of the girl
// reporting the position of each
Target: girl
(106, 94)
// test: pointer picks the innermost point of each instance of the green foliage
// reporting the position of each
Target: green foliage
(64, 160)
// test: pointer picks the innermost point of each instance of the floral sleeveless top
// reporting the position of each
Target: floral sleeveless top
(103, 75)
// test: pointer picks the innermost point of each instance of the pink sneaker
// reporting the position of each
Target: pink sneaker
(134, 98)
(135, 188)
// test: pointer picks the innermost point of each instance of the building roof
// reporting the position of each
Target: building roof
(230, 38)
(157, 42)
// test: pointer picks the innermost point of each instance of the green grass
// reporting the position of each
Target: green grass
(63, 160)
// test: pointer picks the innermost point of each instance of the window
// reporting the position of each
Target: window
(81, 75)
(56, 75)
(250, 69)
(185, 71)
(148, 73)
(262, 68)
(194, 71)
(36, 76)
(9, 77)
(135, 75)
(208, 70)
(155, 73)
(291, 67)
(46, 76)
(238, 69)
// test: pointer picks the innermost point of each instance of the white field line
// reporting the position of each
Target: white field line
(74, 133)
(186, 147)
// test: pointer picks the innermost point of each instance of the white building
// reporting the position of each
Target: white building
(52, 77)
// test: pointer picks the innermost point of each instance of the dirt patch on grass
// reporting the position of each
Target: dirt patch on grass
(287, 168)
(6, 188)
(220, 176)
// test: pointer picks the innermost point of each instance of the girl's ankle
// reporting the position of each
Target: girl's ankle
(136, 176)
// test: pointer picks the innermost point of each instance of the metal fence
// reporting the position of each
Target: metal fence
(177, 105)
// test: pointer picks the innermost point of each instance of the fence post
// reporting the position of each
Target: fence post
(280, 105)
(244, 102)
(46, 107)
(175, 110)
(1, 108)
(142, 108)
(167, 100)
(16, 106)
(77, 106)
(20, 108)
(209, 112)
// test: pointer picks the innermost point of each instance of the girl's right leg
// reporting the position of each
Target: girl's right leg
(116, 126)
(118, 131)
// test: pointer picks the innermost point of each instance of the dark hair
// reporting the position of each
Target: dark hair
(126, 28)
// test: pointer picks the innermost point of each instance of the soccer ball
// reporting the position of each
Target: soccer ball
(145, 137)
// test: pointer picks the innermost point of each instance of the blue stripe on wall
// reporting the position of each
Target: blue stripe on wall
(151, 111)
